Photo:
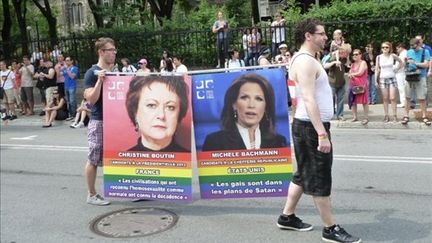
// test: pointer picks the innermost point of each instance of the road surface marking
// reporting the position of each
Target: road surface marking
(32, 137)
(337, 157)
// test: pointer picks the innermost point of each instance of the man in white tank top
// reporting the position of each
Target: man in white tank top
(311, 125)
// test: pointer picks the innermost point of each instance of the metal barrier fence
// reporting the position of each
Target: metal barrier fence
(198, 47)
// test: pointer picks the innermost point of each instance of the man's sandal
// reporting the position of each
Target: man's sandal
(426, 121)
(405, 120)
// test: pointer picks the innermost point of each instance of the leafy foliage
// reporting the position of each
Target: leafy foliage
(371, 21)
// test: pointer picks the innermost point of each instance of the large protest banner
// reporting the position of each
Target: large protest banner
(235, 159)
(147, 138)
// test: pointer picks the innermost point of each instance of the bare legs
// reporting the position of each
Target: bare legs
(365, 112)
(354, 112)
(294, 194)
(323, 204)
(49, 116)
(90, 174)
(389, 96)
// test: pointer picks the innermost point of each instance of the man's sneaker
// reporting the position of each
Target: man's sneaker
(12, 117)
(70, 118)
(97, 200)
(338, 234)
(292, 222)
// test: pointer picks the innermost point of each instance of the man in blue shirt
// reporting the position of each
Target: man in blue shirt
(417, 59)
(70, 73)
(429, 49)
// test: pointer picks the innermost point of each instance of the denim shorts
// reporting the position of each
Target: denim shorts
(387, 82)
(95, 141)
(313, 167)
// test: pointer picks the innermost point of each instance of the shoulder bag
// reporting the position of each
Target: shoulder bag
(414, 76)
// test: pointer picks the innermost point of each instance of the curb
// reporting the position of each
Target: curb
(380, 125)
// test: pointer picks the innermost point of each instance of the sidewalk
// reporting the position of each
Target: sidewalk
(376, 117)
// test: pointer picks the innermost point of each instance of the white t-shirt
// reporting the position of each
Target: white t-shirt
(386, 66)
(402, 56)
(7, 82)
(245, 41)
(36, 56)
(234, 64)
(129, 69)
(181, 69)
(278, 34)
(27, 76)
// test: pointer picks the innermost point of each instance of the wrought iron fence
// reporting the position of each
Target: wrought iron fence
(198, 47)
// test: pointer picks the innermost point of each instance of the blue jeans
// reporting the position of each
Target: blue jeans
(70, 94)
(372, 89)
(251, 59)
(275, 49)
(338, 100)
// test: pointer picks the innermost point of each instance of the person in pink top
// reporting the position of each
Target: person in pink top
(358, 78)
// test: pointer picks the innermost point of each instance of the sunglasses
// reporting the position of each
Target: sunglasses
(356, 54)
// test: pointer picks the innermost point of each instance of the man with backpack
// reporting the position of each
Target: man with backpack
(234, 62)
(416, 75)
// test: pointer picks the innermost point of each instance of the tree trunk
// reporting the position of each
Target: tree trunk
(20, 11)
(255, 11)
(95, 8)
(51, 20)
(6, 31)
(161, 9)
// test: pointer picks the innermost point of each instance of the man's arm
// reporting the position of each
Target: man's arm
(92, 94)
(425, 63)
(430, 69)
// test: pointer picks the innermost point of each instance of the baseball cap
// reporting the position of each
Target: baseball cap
(283, 46)
(264, 50)
(142, 61)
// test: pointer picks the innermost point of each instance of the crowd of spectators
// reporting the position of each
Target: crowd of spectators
(358, 75)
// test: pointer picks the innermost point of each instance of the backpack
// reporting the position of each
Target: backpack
(241, 63)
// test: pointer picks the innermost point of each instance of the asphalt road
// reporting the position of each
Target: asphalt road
(382, 192)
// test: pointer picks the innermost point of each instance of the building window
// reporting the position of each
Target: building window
(77, 14)
(80, 14)
(74, 14)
